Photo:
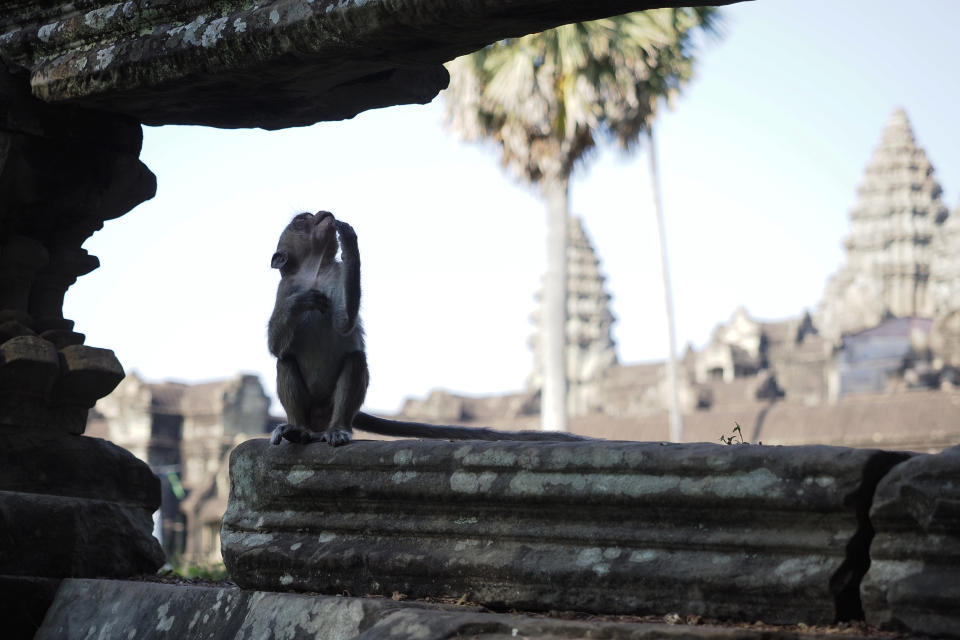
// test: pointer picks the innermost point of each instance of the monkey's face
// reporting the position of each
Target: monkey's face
(307, 236)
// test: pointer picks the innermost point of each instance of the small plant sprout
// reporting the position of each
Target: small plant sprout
(735, 437)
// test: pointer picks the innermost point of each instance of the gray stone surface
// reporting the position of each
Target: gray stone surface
(107, 609)
(272, 64)
(914, 576)
(743, 532)
(74, 506)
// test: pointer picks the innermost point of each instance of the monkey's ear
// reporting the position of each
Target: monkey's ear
(278, 260)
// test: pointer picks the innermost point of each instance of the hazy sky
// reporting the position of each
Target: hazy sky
(760, 160)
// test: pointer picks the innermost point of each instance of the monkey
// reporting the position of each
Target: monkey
(316, 335)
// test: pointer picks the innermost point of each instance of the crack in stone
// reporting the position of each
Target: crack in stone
(845, 582)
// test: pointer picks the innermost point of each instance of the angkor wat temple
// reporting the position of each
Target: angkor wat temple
(882, 347)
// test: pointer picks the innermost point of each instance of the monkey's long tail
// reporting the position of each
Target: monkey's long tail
(400, 429)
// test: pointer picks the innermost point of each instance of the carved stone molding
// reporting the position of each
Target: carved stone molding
(272, 64)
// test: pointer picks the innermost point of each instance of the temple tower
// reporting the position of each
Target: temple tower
(590, 347)
(893, 227)
(945, 267)
(945, 293)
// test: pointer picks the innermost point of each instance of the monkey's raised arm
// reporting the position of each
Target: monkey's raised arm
(346, 314)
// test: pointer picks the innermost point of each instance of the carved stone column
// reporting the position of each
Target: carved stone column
(69, 505)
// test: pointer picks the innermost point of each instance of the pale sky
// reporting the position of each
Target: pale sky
(760, 160)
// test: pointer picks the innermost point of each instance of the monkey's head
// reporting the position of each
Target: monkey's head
(308, 235)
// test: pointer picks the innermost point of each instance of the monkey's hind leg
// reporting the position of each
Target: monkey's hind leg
(347, 398)
(295, 399)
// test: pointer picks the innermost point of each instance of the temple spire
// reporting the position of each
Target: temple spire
(590, 347)
(893, 225)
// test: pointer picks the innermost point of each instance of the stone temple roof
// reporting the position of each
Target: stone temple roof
(191, 399)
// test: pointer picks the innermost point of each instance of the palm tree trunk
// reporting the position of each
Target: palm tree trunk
(553, 401)
(673, 378)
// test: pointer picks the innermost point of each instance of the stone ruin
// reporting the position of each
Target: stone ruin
(617, 527)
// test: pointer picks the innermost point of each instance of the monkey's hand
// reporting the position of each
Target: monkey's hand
(347, 234)
(312, 300)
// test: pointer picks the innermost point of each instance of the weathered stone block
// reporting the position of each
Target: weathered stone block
(74, 506)
(745, 532)
(28, 366)
(29, 370)
(914, 576)
(86, 375)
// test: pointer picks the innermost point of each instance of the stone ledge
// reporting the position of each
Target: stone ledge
(272, 64)
(147, 610)
(741, 532)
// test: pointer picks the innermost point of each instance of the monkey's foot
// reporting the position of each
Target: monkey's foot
(336, 436)
(291, 433)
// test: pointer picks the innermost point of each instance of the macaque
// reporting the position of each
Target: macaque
(317, 337)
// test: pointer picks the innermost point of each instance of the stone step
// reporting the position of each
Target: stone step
(148, 610)
(742, 532)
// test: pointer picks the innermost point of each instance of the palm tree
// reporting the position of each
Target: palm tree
(545, 99)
